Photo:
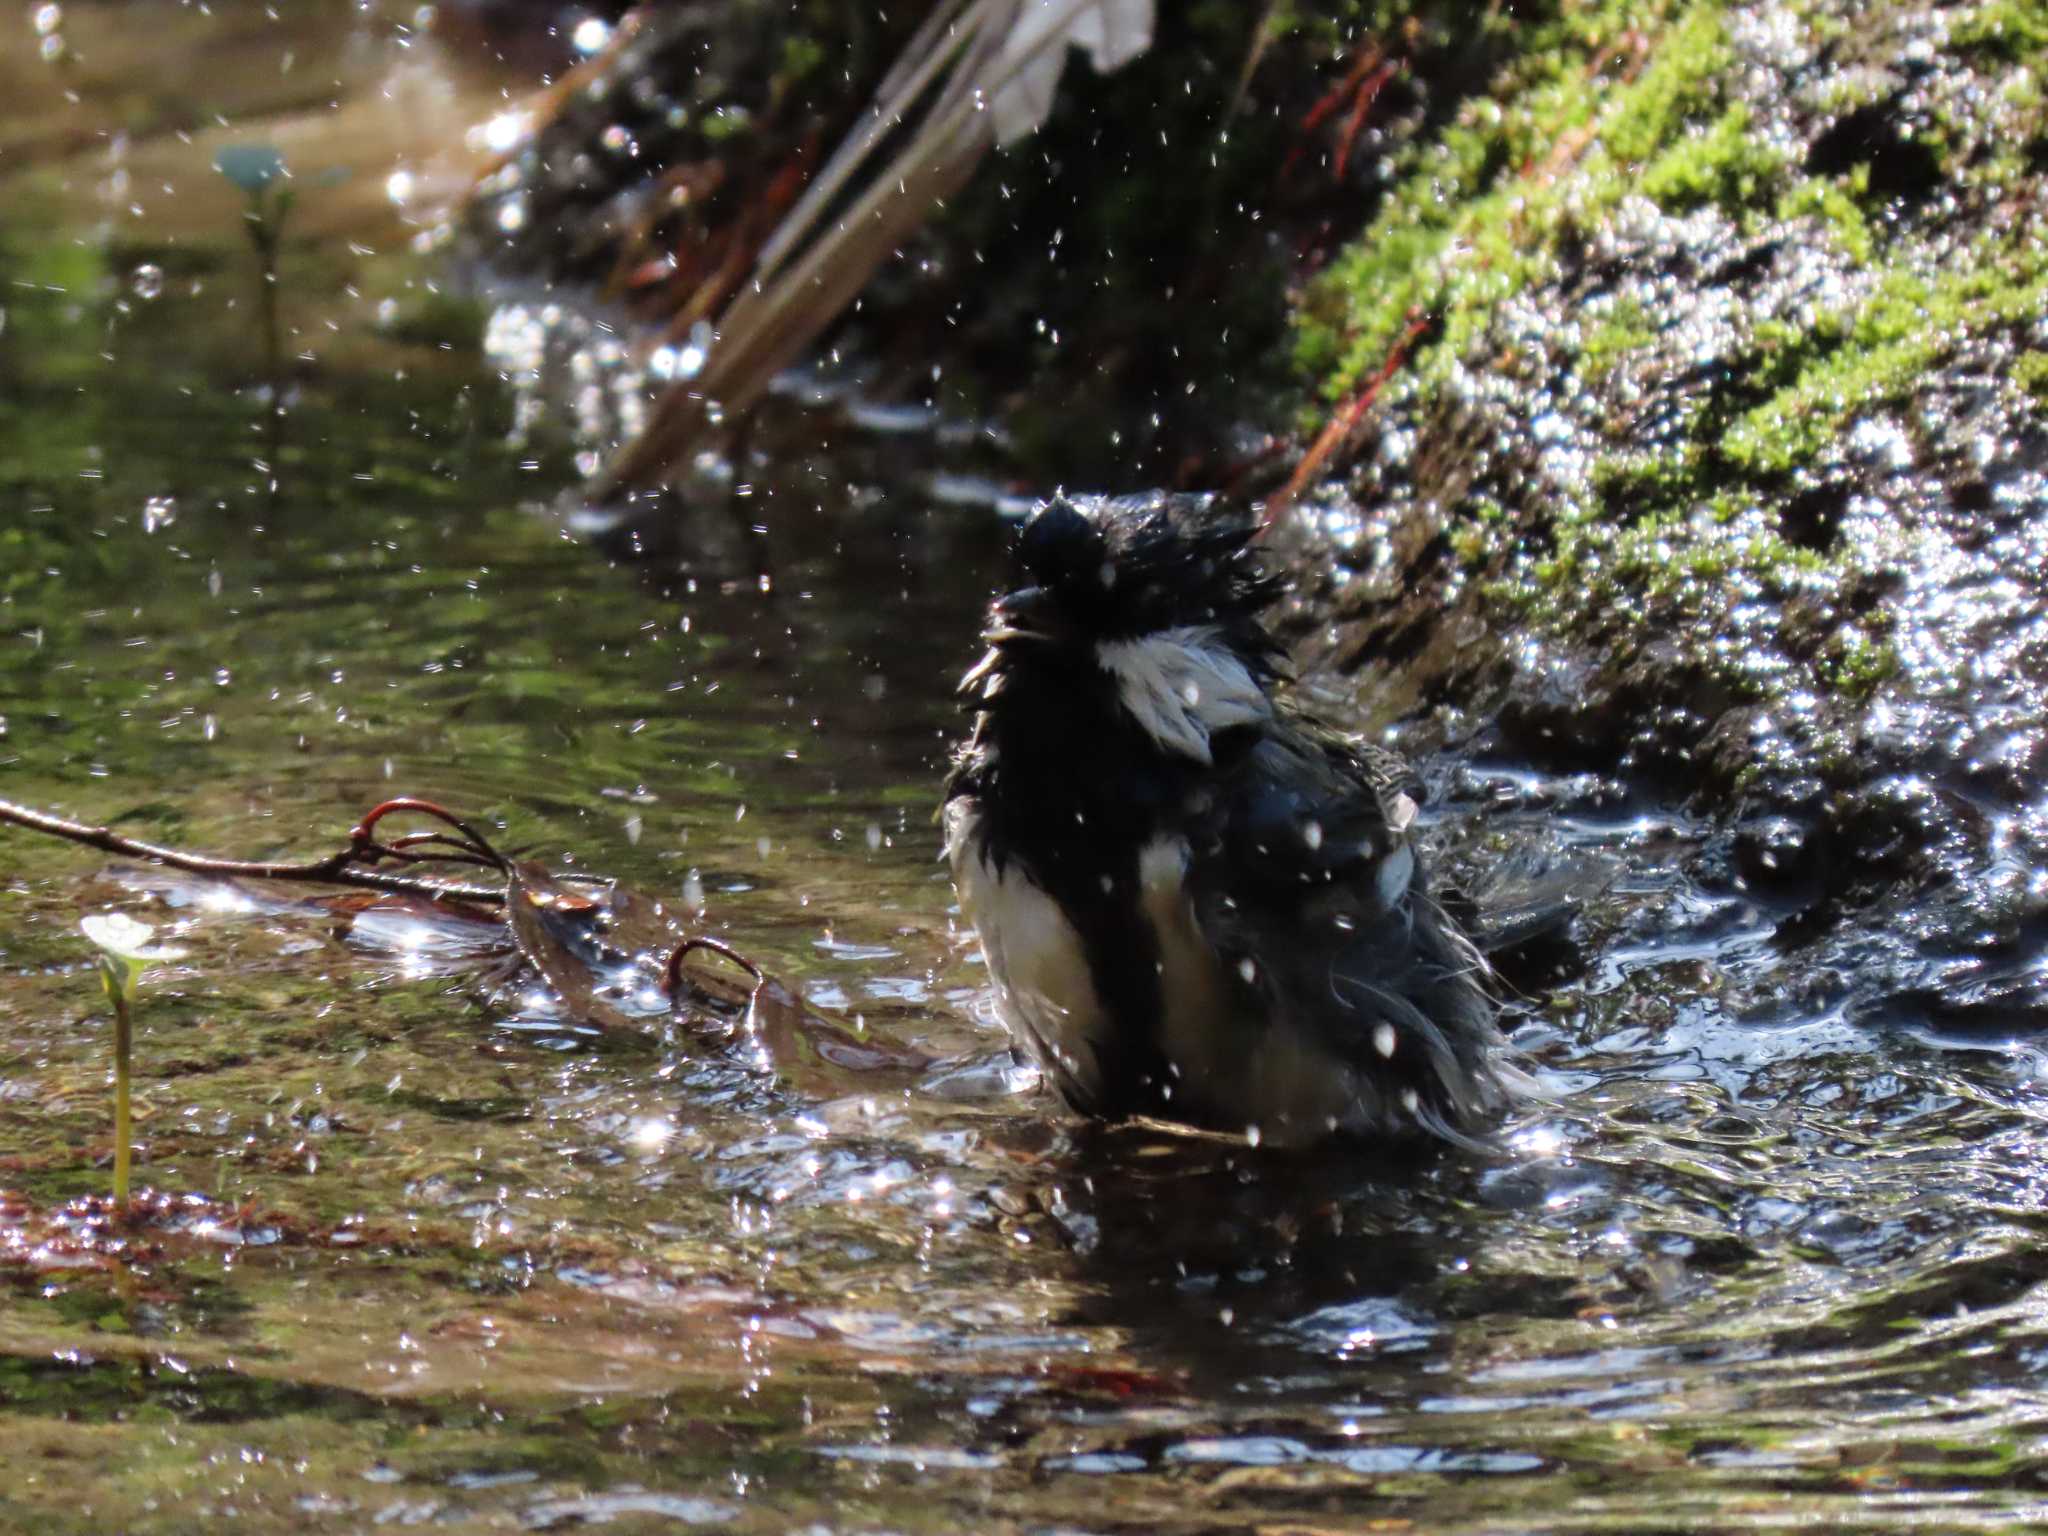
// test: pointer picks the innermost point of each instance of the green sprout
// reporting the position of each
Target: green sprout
(259, 170)
(124, 949)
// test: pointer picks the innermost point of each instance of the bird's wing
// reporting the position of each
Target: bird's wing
(1305, 880)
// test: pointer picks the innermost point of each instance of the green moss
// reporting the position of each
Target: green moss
(1860, 664)
(1676, 530)
(2008, 29)
(1622, 328)
(1480, 211)
(1877, 352)
(1727, 164)
(2030, 372)
(1677, 86)
(1839, 203)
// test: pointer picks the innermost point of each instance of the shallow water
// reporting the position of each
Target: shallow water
(419, 1256)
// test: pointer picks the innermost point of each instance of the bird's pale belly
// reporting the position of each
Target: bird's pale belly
(1035, 958)
(1227, 1063)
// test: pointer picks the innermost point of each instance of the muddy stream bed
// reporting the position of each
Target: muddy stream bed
(418, 1255)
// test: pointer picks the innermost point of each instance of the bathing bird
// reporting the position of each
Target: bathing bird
(1197, 902)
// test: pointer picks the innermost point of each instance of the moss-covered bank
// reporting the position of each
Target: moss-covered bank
(1719, 477)
(1678, 264)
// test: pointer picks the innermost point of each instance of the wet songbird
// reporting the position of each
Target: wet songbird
(1196, 903)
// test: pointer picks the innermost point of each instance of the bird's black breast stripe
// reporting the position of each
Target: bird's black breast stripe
(1067, 791)
(1123, 962)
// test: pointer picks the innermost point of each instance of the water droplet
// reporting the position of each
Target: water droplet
(159, 512)
(147, 280)
(503, 131)
(47, 19)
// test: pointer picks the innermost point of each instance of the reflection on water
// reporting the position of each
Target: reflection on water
(423, 1257)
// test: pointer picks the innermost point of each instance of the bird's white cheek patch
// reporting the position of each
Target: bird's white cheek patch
(1182, 686)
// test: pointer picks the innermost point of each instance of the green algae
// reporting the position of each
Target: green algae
(1479, 212)
(1594, 105)
(1875, 354)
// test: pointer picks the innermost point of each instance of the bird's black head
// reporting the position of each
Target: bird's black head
(1138, 623)
(1125, 568)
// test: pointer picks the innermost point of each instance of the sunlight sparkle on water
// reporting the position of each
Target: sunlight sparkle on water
(653, 1134)
(685, 361)
(224, 899)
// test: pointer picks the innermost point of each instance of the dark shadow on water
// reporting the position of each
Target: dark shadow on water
(1228, 1264)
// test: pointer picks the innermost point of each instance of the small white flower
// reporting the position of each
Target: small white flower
(124, 949)
(119, 934)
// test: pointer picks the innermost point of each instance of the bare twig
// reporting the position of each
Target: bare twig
(461, 844)
(672, 974)
(342, 868)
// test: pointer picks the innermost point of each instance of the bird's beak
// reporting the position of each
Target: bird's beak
(1026, 614)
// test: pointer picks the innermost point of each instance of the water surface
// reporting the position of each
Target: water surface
(417, 1255)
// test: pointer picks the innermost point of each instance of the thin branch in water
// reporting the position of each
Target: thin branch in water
(462, 844)
(342, 868)
(672, 973)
